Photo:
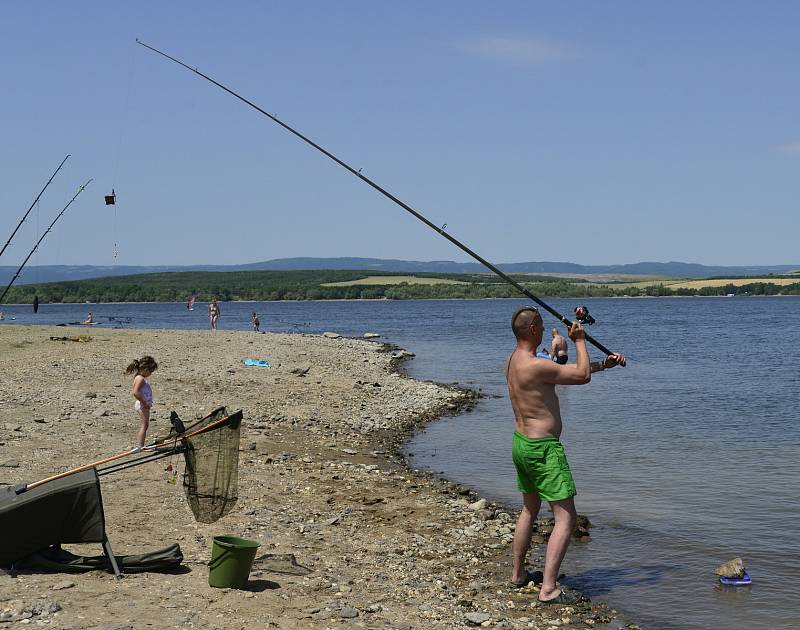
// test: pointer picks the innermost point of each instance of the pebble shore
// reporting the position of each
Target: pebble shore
(350, 536)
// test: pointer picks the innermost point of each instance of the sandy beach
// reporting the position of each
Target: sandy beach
(350, 536)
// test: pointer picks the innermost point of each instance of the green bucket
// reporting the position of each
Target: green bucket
(231, 560)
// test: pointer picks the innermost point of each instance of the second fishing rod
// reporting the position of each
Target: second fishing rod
(567, 322)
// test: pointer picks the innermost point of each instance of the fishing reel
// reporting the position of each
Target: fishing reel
(582, 315)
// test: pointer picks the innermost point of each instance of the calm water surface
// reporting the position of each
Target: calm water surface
(684, 459)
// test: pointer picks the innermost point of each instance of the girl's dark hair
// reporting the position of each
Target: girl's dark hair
(138, 365)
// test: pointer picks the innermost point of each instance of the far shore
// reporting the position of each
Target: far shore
(349, 534)
(383, 299)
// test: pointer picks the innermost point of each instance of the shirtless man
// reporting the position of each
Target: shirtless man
(558, 348)
(542, 469)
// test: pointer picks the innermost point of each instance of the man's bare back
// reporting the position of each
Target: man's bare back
(532, 381)
(536, 409)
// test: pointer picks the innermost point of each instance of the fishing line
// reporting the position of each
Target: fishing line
(124, 108)
(37, 274)
(390, 196)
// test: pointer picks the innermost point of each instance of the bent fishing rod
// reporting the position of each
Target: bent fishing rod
(387, 194)
(58, 216)
(19, 225)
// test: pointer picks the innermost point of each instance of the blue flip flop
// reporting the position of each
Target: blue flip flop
(742, 581)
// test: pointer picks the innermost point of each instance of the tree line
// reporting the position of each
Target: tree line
(308, 285)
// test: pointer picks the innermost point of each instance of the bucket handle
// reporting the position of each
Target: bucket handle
(215, 562)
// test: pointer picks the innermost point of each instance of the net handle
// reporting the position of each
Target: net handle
(237, 415)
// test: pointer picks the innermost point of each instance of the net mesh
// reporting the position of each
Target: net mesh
(211, 478)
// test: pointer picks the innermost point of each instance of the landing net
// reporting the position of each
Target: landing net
(211, 478)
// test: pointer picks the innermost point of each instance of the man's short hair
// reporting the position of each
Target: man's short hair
(522, 319)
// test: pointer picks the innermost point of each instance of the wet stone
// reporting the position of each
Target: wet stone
(731, 569)
(478, 505)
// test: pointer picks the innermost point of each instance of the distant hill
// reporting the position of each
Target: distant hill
(58, 273)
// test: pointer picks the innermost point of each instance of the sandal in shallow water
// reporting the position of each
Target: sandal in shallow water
(564, 598)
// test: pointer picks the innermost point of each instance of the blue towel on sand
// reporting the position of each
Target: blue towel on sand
(256, 362)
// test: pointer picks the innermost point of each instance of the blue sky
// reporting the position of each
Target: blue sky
(590, 132)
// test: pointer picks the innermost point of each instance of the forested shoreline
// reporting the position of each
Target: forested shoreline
(310, 285)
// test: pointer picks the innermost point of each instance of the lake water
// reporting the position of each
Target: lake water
(686, 458)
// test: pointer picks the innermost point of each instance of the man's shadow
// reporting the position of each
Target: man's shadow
(602, 581)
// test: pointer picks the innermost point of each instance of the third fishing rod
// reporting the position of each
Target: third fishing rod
(25, 216)
(389, 195)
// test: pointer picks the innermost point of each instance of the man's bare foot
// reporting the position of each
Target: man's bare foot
(559, 596)
(546, 594)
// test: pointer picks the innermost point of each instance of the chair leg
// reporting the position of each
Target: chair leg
(111, 558)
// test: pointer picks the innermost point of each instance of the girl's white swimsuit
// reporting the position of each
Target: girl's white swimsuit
(147, 394)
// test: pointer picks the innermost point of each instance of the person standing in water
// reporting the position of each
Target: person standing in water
(142, 368)
(255, 322)
(543, 473)
(213, 313)
(558, 348)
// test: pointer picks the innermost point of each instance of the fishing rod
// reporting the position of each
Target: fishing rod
(156, 448)
(58, 216)
(19, 225)
(390, 196)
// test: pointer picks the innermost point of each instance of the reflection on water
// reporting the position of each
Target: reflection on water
(687, 458)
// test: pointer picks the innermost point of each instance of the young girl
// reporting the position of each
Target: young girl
(143, 394)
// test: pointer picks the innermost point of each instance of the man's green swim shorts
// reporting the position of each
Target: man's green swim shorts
(542, 468)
